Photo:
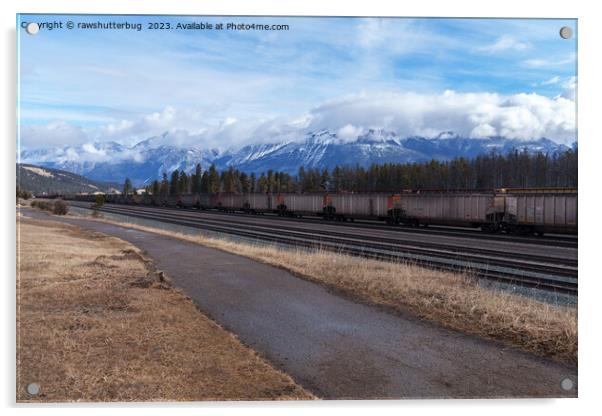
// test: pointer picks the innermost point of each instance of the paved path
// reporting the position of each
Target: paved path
(333, 346)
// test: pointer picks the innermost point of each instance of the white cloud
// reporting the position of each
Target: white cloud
(393, 35)
(153, 124)
(505, 43)
(90, 148)
(570, 88)
(57, 133)
(475, 115)
(483, 130)
(349, 132)
(549, 63)
(551, 81)
(520, 116)
(382, 35)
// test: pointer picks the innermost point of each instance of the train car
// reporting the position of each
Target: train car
(351, 206)
(250, 203)
(470, 209)
(110, 198)
(155, 200)
(136, 199)
(540, 211)
(146, 199)
(170, 201)
(464, 209)
(256, 203)
(82, 197)
(228, 202)
(296, 205)
(516, 211)
(206, 201)
(188, 201)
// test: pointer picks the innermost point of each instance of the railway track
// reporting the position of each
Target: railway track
(442, 231)
(507, 262)
(327, 229)
(555, 240)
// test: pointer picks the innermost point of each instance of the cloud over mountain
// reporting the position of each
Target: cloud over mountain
(149, 159)
(474, 115)
(524, 116)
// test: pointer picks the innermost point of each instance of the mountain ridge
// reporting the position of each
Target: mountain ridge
(46, 181)
(149, 158)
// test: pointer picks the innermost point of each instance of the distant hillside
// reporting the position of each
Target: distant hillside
(45, 181)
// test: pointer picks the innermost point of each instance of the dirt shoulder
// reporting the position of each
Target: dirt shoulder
(95, 322)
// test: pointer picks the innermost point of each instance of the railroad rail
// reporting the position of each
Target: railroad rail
(513, 263)
(443, 231)
(446, 231)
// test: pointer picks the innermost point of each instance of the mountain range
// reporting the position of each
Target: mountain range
(148, 159)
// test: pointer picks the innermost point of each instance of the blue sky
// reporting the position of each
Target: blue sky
(226, 88)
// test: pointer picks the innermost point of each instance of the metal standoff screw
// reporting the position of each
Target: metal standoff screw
(33, 388)
(566, 384)
(566, 32)
(32, 28)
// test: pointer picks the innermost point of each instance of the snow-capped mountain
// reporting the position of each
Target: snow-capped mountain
(147, 160)
(325, 150)
(320, 150)
(142, 163)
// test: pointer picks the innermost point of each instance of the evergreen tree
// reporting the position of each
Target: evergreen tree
(324, 180)
(245, 183)
(183, 183)
(205, 182)
(253, 180)
(262, 184)
(196, 179)
(214, 180)
(173, 183)
(164, 186)
(515, 169)
(127, 186)
(155, 188)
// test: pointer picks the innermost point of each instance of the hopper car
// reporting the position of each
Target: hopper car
(515, 211)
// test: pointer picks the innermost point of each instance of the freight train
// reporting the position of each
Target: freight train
(515, 211)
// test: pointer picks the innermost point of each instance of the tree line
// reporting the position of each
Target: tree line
(23, 193)
(516, 169)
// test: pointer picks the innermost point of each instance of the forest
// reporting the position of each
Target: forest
(516, 169)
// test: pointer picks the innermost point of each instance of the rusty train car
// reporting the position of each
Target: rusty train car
(541, 211)
(516, 211)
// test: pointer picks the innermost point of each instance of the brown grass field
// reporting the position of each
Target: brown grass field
(452, 300)
(95, 323)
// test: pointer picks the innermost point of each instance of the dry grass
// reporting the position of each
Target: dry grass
(453, 300)
(94, 323)
(23, 202)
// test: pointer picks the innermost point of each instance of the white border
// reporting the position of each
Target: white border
(589, 149)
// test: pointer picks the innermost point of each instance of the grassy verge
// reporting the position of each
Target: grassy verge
(57, 207)
(95, 322)
(453, 300)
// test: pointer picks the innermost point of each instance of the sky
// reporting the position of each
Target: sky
(226, 88)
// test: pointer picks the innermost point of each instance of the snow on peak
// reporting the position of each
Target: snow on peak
(150, 158)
